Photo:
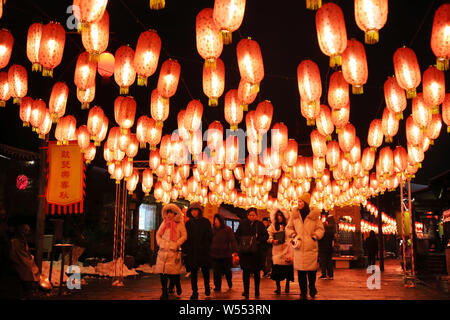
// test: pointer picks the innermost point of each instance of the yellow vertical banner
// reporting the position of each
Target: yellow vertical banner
(65, 186)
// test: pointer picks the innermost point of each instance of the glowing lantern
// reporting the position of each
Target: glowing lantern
(338, 91)
(440, 36)
(33, 42)
(213, 81)
(165, 147)
(51, 47)
(133, 181)
(434, 128)
(124, 73)
(371, 16)
(355, 152)
(193, 117)
(368, 159)
(340, 117)
(37, 116)
(154, 134)
(246, 93)
(290, 153)
(346, 137)
(132, 148)
(354, 65)
(264, 113)
(446, 111)
(279, 137)
(333, 154)
(124, 112)
(375, 135)
(231, 152)
(83, 137)
(209, 44)
(414, 134)
(215, 136)
(233, 111)
(386, 161)
(323, 122)
(58, 100)
(400, 159)
(395, 97)
(196, 144)
(407, 71)
(169, 75)
(389, 124)
(146, 57)
(310, 111)
(26, 107)
(142, 127)
(95, 121)
(228, 16)
(85, 72)
(17, 82)
(91, 10)
(182, 131)
(66, 129)
(124, 140)
(95, 36)
(4, 89)
(86, 97)
(103, 131)
(159, 108)
(154, 159)
(415, 154)
(331, 32)
(421, 113)
(6, 44)
(433, 88)
(309, 83)
(250, 62)
(105, 65)
(45, 126)
(113, 139)
(318, 144)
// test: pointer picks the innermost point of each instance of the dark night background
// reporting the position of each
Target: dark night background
(284, 30)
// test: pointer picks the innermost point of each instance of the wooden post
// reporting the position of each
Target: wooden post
(40, 219)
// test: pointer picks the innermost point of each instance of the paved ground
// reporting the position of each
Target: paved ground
(348, 284)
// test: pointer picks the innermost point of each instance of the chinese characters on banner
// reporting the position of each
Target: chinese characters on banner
(65, 187)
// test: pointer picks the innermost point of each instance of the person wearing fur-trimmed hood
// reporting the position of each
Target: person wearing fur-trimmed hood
(305, 229)
(169, 237)
(282, 252)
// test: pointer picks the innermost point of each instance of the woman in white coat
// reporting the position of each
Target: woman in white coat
(169, 237)
(305, 230)
(282, 252)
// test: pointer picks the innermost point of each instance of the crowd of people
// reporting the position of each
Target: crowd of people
(287, 242)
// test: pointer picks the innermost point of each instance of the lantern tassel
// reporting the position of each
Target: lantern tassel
(357, 89)
(388, 139)
(371, 37)
(435, 109)
(442, 64)
(85, 106)
(2, 103)
(411, 93)
(226, 37)
(244, 106)
(313, 4)
(141, 81)
(123, 90)
(399, 116)
(211, 63)
(142, 145)
(16, 100)
(47, 72)
(335, 61)
(213, 102)
(448, 129)
(157, 4)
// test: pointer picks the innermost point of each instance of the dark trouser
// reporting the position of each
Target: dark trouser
(174, 280)
(326, 264)
(305, 277)
(268, 261)
(371, 258)
(205, 272)
(222, 267)
(246, 279)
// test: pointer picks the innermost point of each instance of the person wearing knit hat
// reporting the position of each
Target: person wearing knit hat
(197, 247)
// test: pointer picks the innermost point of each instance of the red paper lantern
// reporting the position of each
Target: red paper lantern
(231, 152)
(124, 140)
(6, 44)
(290, 153)
(387, 161)
(389, 124)
(354, 65)
(113, 139)
(146, 58)
(154, 159)
(400, 159)
(18, 82)
(395, 97)
(446, 111)
(51, 47)
(196, 143)
(95, 36)
(169, 75)
(309, 83)
(26, 107)
(407, 71)
(91, 10)
(105, 65)
(33, 43)
(368, 159)
(228, 16)
(250, 62)
(331, 32)
(433, 88)
(124, 73)
(233, 111)
(147, 181)
(85, 72)
(124, 112)
(193, 117)
(440, 37)
(213, 81)
(250, 122)
(279, 137)
(209, 44)
(58, 100)
(415, 154)
(333, 154)
(246, 93)
(83, 137)
(154, 134)
(143, 125)
(159, 108)
(66, 129)
(4, 89)
(165, 147)
(375, 135)
(38, 110)
(264, 113)
(132, 148)
(95, 122)
(318, 144)
(371, 16)
(434, 128)
(355, 152)
(324, 123)
(45, 126)
(340, 117)
(346, 137)
(86, 97)
(421, 112)
(414, 134)
(182, 131)
(215, 136)
(338, 91)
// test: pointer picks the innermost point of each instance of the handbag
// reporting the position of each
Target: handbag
(247, 244)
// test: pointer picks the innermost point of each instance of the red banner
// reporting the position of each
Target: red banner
(65, 184)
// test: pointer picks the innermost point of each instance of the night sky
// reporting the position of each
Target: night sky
(286, 33)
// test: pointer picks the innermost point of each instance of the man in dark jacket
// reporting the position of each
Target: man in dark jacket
(197, 247)
(371, 245)
(326, 248)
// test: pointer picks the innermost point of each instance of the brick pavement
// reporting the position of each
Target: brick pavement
(348, 284)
